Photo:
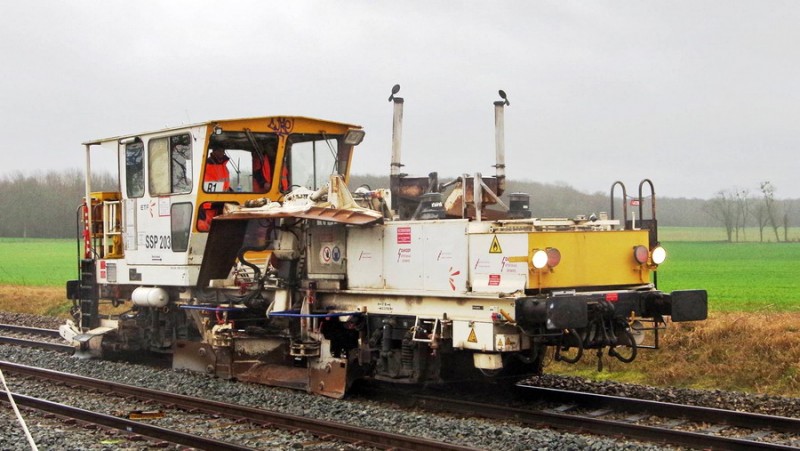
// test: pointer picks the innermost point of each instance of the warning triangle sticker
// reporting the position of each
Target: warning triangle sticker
(472, 337)
(495, 247)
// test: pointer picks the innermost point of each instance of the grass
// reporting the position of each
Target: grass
(37, 262)
(749, 234)
(756, 353)
(738, 276)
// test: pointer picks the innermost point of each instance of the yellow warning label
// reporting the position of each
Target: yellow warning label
(472, 337)
(495, 247)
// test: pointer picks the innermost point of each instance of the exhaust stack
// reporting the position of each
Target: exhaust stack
(397, 140)
(499, 141)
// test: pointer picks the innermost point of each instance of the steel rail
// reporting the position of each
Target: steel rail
(30, 330)
(589, 424)
(664, 409)
(133, 427)
(325, 428)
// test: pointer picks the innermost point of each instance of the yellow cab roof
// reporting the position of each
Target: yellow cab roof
(219, 122)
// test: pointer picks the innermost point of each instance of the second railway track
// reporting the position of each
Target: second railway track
(327, 430)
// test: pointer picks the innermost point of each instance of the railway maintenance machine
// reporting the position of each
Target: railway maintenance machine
(237, 247)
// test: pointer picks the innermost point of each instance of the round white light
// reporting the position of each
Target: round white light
(659, 255)
(539, 259)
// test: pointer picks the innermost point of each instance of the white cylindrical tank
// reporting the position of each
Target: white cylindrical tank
(150, 297)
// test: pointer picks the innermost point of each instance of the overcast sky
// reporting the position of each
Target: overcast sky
(699, 96)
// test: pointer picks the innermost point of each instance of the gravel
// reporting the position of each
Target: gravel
(476, 432)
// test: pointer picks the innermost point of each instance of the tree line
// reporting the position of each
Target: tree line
(44, 205)
(736, 209)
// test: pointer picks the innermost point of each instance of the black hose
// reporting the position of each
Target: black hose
(256, 270)
(579, 345)
(612, 351)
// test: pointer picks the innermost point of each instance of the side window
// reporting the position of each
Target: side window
(134, 169)
(170, 165)
(181, 170)
(313, 159)
(158, 166)
(180, 224)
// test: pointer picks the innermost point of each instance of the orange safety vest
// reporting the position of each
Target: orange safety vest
(266, 172)
(207, 212)
(216, 178)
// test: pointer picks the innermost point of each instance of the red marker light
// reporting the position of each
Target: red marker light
(553, 257)
(612, 297)
(640, 254)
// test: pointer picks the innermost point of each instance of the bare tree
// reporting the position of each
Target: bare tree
(768, 190)
(742, 212)
(723, 209)
(760, 215)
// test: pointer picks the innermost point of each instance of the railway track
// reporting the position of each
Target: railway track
(34, 337)
(325, 430)
(650, 421)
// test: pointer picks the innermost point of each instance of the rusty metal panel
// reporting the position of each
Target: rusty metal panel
(224, 241)
(343, 216)
(328, 378)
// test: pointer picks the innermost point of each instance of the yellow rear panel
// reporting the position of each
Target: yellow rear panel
(590, 258)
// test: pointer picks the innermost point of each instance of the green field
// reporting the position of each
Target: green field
(37, 262)
(749, 234)
(738, 276)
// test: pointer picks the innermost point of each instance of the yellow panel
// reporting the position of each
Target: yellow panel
(592, 258)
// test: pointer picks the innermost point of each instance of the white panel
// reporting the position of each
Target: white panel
(445, 256)
(403, 255)
(130, 224)
(490, 268)
(365, 257)
(473, 335)
(327, 253)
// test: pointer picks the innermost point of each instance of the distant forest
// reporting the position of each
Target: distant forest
(44, 205)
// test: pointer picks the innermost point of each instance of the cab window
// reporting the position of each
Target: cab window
(313, 159)
(170, 165)
(134, 169)
(242, 162)
(180, 224)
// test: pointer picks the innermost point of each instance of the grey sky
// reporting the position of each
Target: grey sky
(697, 95)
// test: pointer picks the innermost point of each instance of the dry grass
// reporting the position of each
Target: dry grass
(51, 301)
(752, 352)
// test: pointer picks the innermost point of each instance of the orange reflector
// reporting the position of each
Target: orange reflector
(640, 254)
(553, 257)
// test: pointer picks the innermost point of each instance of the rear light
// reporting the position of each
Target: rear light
(553, 257)
(539, 259)
(640, 254)
(659, 255)
(549, 257)
(612, 297)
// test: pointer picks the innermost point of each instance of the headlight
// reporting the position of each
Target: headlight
(539, 259)
(354, 136)
(659, 255)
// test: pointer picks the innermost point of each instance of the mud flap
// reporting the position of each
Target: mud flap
(328, 377)
(689, 305)
(194, 356)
